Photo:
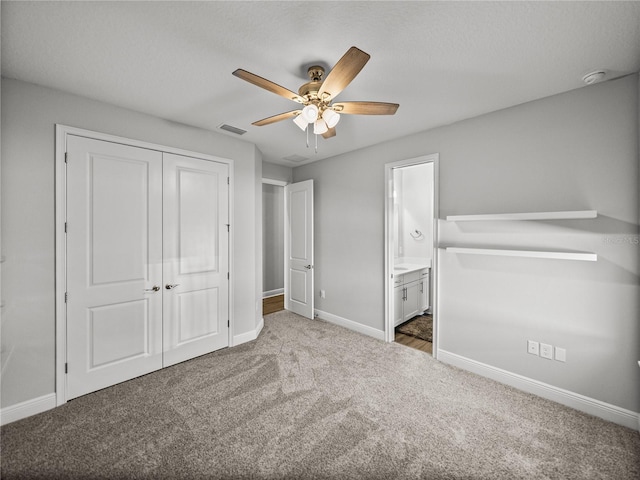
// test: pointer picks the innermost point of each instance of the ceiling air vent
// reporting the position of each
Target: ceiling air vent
(229, 128)
(295, 158)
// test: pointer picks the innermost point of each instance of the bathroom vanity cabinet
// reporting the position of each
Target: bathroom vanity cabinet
(411, 294)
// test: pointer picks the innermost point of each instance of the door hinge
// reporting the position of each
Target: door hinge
(66, 368)
(66, 156)
(228, 181)
(65, 227)
(227, 275)
(228, 323)
(66, 297)
(228, 226)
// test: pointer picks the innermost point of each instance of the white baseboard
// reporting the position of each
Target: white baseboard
(273, 293)
(27, 408)
(351, 325)
(248, 336)
(585, 404)
(260, 327)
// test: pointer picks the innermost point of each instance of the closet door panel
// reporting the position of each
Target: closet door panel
(198, 226)
(196, 263)
(118, 203)
(114, 254)
(193, 317)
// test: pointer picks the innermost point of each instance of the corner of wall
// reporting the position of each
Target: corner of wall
(258, 238)
(638, 183)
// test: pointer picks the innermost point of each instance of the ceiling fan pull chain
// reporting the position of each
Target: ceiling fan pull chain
(307, 130)
(316, 143)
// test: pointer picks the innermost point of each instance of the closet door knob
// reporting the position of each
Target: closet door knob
(169, 286)
(155, 288)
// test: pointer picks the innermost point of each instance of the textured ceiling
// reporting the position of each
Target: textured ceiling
(441, 61)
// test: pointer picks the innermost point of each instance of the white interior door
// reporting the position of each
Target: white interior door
(114, 259)
(298, 282)
(196, 262)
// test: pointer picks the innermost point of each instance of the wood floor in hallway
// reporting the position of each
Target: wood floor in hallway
(414, 342)
(272, 304)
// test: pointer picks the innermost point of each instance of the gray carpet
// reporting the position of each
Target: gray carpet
(310, 400)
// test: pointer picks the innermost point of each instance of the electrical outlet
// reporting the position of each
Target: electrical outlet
(561, 354)
(546, 351)
(533, 348)
(323, 294)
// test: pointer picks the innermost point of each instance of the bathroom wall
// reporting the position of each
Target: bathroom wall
(414, 187)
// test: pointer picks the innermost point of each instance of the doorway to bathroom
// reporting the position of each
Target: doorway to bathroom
(411, 213)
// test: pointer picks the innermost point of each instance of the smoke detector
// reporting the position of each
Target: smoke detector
(594, 77)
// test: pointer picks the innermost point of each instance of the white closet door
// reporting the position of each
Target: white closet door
(114, 259)
(196, 263)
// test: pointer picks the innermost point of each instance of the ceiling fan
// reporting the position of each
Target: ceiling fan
(317, 95)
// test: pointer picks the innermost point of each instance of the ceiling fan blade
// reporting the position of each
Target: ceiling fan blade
(268, 85)
(366, 108)
(344, 72)
(276, 118)
(329, 133)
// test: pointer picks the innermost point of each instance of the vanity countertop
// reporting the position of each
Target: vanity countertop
(403, 268)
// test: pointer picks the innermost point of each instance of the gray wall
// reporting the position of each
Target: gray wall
(273, 237)
(29, 114)
(277, 172)
(574, 151)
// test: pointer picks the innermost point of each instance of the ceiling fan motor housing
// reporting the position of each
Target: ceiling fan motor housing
(310, 90)
(315, 72)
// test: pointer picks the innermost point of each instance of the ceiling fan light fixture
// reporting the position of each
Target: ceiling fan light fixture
(310, 113)
(301, 122)
(320, 127)
(317, 94)
(331, 117)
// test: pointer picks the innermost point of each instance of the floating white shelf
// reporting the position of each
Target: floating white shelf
(569, 215)
(589, 257)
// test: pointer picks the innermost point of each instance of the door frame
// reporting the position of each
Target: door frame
(61, 134)
(282, 184)
(389, 332)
